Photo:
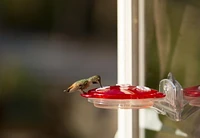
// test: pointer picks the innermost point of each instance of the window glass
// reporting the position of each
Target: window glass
(172, 45)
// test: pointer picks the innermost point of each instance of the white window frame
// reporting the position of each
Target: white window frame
(131, 61)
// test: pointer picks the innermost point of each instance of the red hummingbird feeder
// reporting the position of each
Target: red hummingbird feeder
(171, 99)
(123, 97)
(192, 95)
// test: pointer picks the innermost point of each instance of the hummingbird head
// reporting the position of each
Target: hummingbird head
(95, 80)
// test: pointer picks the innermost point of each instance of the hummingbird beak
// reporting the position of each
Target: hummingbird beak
(100, 84)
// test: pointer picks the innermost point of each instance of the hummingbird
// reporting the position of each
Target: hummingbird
(84, 84)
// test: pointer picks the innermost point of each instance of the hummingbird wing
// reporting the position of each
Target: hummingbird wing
(78, 85)
(84, 84)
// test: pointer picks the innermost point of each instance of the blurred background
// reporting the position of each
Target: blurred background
(46, 45)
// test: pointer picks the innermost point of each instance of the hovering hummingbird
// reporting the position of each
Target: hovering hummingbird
(84, 84)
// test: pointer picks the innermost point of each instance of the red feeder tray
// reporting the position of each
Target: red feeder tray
(123, 96)
(192, 91)
(192, 95)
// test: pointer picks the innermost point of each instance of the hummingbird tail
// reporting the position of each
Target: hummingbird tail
(68, 89)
